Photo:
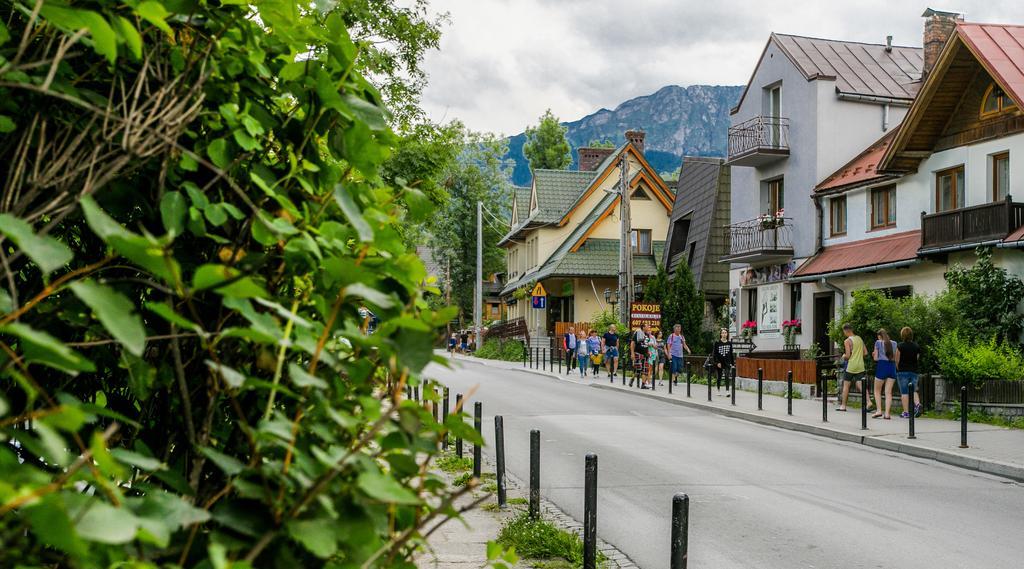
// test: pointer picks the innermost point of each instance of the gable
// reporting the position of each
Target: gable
(533, 196)
(654, 182)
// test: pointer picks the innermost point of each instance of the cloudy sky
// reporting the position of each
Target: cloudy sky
(503, 62)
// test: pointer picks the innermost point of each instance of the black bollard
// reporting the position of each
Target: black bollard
(544, 358)
(654, 380)
(680, 530)
(864, 403)
(478, 417)
(590, 513)
(760, 389)
(535, 474)
(910, 410)
(824, 398)
(963, 416)
(561, 356)
(789, 392)
(671, 379)
(732, 373)
(408, 391)
(433, 402)
(688, 369)
(499, 444)
(458, 439)
(416, 393)
(444, 418)
(525, 352)
(707, 376)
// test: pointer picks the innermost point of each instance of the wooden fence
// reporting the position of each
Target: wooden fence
(515, 328)
(804, 371)
(562, 327)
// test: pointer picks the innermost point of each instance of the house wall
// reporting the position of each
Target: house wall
(588, 302)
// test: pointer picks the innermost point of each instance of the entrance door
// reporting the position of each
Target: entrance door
(824, 312)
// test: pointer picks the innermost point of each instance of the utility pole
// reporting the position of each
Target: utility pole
(448, 288)
(625, 243)
(478, 299)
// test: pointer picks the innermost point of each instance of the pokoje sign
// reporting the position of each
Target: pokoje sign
(641, 313)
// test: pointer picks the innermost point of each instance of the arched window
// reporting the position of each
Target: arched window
(995, 101)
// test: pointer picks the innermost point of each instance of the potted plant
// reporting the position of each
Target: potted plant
(772, 220)
(748, 329)
(790, 328)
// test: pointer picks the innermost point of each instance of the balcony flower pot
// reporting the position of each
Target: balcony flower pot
(748, 329)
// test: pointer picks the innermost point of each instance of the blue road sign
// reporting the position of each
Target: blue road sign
(540, 302)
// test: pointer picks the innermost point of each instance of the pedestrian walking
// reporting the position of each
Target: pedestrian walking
(569, 347)
(885, 372)
(674, 347)
(452, 343)
(853, 356)
(660, 347)
(582, 353)
(594, 349)
(610, 349)
(463, 342)
(907, 354)
(638, 351)
(723, 357)
(651, 353)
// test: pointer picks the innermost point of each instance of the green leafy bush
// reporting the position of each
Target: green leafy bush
(540, 539)
(604, 319)
(989, 298)
(505, 350)
(964, 360)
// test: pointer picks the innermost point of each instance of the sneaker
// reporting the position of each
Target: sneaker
(904, 415)
(918, 410)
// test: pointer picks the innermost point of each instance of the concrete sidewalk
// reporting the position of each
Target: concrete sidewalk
(993, 450)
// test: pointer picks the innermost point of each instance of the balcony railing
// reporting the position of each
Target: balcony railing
(759, 141)
(971, 225)
(759, 242)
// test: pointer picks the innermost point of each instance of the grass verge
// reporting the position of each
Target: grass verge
(452, 463)
(544, 541)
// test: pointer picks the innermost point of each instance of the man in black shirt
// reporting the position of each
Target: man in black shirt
(610, 349)
(907, 354)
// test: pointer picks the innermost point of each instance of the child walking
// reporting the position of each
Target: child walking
(582, 353)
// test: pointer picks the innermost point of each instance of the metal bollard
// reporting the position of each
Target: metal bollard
(444, 419)
(544, 358)
(433, 402)
(561, 356)
(416, 394)
(910, 410)
(732, 373)
(408, 391)
(458, 439)
(789, 392)
(824, 399)
(864, 403)
(760, 389)
(525, 352)
(963, 417)
(478, 417)
(535, 474)
(688, 371)
(680, 530)
(671, 379)
(654, 380)
(707, 376)
(590, 513)
(499, 444)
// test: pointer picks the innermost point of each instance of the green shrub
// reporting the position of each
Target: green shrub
(963, 360)
(507, 350)
(604, 319)
(539, 539)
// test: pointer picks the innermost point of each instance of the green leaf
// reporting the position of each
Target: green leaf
(382, 487)
(172, 212)
(129, 35)
(228, 464)
(138, 460)
(373, 296)
(211, 276)
(315, 535)
(218, 153)
(165, 311)
(67, 418)
(216, 214)
(4, 407)
(6, 304)
(44, 349)
(104, 523)
(104, 42)
(45, 251)
(160, 514)
(141, 375)
(365, 111)
(352, 212)
(154, 13)
(301, 378)
(104, 460)
(231, 377)
(143, 251)
(115, 312)
(51, 525)
(4, 34)
(6, 124)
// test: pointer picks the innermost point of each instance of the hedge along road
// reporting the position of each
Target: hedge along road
(760, 497)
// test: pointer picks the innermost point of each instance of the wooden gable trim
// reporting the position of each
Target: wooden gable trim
(533, 195)
(644, 176)
(654, 181)
(515, 211)
(604, 215)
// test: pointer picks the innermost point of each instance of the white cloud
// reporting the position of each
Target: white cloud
(503, 62)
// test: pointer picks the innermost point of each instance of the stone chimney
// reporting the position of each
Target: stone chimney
(938, 28)
(590, 158)
(637, 138)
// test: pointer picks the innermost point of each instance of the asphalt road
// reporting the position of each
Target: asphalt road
(760, 497)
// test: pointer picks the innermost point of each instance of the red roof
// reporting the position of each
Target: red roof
(1000, 48)
(862, 169)
(863, 253)
(1017, 235)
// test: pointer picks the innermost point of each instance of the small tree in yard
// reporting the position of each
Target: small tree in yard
(546, 145)
(988, 298)
(681, 303)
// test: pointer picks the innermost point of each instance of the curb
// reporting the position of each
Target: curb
(1004, 469)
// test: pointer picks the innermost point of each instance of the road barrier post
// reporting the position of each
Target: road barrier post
(654, 380)
(707, 377)
(444, 419)
(535, 474)
(433, 402)
(408, 391)
(680, 530)
(561, 356)
(416, 394)
(499, 444)
(689, 370)
(545, 355)
(732, 374)
(910, 410)
(478, 418)
(824, 398)
(789, 392)
(590, 513)
(760, 389)
(963, 416)
(458, 439)
(671, 378)
(864, 397)
(525, 352)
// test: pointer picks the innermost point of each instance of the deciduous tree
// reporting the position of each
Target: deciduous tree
(546, 145)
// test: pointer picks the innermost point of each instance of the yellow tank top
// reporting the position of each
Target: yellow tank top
(856, 363)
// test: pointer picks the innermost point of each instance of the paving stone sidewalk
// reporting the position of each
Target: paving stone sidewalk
(992, 449)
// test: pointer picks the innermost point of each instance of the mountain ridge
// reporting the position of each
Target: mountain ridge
(679, 121)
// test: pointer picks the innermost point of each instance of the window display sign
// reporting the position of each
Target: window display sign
(769, 312)
(770, 274)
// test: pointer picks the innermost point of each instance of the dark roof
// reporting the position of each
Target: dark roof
(862, 254)
(703, 198)
(857, 68)
(600, 258)
(557, 191)
(522, 197)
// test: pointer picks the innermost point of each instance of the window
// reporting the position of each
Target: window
(837, 209)
(773, 110)
(752, 304)
(1000, 176)
(773, 196)
(796, 295)
(949, 189)
(691, 254)
(883, 207)
(640, 239)
(640, 194)
(995, 101)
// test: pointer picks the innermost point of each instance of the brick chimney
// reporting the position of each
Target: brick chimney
(637, 138)
(590, 158)
(938, 28)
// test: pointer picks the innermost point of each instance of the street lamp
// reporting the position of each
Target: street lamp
(611, 297)
(638, 290)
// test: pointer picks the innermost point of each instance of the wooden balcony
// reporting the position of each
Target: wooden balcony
(970, 225)
(759, 243)
(758, 141)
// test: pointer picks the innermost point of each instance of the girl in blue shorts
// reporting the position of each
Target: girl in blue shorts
(885, 372)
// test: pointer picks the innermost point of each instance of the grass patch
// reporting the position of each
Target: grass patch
(462, 479)
(490, 487)
(977, 416)
(490, 507)
(518, 501)
(452, 463)
(543, 540)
